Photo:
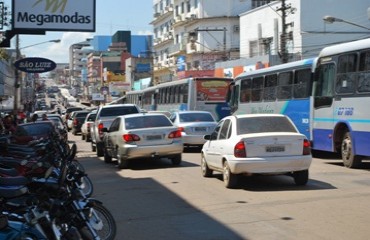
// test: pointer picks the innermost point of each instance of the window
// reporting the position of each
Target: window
(257, 87)
(224, 132)
(347, 63)
(184, 92)
(115, 125)
(285, 85)
(269, 92)
(325, 79)
(302, 81)
(246, 90)
(365, 61)
(253, 48)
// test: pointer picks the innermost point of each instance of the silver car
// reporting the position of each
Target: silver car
(142, 135)
(193, 126)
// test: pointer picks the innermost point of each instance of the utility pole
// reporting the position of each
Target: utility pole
(16, 76)
(284, 36)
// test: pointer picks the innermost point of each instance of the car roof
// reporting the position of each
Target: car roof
(119, 105)
(260, 115)
(140, 115)
(192, 111)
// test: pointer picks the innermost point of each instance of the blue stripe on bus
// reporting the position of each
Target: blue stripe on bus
(323, 140)
(334, 120)
(299, 112)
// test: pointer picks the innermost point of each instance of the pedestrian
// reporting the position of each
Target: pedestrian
(34, 117)
(9, 124)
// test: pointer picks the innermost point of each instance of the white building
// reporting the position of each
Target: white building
(306, 31)
(195, 34)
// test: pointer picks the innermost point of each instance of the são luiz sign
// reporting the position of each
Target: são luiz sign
(35, 65)
(54, 15)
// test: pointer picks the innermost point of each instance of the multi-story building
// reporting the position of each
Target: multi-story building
(78, 53)
(289, 30)
(190, 36)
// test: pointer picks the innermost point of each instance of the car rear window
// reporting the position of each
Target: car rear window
(91, 117)
(82, 115)
(32, 130)
(264, 124)
(196, 117)
(147, 122)
(117, 111)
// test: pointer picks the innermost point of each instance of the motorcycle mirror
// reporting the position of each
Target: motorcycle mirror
(49, 171)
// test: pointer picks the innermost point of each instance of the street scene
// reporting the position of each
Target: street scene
(184, 119)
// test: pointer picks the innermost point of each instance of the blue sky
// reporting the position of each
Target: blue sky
(111, 16)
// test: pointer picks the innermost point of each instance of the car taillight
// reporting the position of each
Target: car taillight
(240, 150)
(306, 147)
(181, 129)
(100, 128)
(88, 125)
(75, 121)
(130, 137)
(175, 134)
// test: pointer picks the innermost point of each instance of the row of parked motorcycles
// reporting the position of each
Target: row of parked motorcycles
(45, 193)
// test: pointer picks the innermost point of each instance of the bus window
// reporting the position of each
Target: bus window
(257, 87)
(285, 85)
(177, 94)
(325, 79)
(245, 90)
(184, 93)
(302, 81)
(345, 82)
(364, 75)
(269, 91)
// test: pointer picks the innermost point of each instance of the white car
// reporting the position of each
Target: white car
(256, 144)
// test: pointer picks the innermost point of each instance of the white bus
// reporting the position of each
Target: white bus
(203, 93)
(325, 97)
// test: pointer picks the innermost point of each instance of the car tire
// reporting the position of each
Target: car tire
(107, 157)
(93, 147)
(122, 163)
(230, 179)
(176, 159)
(349, 158)
(99, 149)
(206, 171)
(300, 177)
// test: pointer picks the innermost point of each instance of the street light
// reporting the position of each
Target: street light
(50, 41)
(330, 19)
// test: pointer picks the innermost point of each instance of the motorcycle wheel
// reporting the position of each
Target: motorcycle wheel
(87, 186)
(102, 222)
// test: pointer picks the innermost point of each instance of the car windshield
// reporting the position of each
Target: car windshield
(264, 124)
(147, 122)
(117, 111)
(196, 117)
(91, 117)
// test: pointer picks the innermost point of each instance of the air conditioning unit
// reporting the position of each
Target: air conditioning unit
(178, 19)
(236, 28)
(193, 16)
(157, 14)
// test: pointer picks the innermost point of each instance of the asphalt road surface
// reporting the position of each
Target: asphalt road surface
(155, 200)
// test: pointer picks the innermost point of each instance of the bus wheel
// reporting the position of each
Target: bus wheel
(350, 160)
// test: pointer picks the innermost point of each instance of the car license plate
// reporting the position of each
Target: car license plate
(200, 129)
(275, 149)
(153, 137)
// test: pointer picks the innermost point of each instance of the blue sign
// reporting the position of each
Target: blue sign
(181, 62)
(35, 65)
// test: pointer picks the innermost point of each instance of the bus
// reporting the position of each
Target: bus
(324, 96)
(200, 93)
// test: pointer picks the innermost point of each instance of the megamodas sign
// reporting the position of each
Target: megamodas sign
(35, 65)
(54, 15)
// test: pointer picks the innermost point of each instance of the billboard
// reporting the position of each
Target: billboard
(54, 15)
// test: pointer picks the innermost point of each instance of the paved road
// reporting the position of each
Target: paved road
(154, 200)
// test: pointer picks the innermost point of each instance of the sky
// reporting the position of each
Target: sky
(111, 16)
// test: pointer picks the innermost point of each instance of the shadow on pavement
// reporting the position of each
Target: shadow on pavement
(145, 209)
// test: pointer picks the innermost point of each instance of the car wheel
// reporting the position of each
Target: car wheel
(122, 162)
(107, 157)
(206, 171)
(350, 160)
(230, 179)
(88, 139)
(93, 147)
(99, 149)
(300, 177)
(176, 160)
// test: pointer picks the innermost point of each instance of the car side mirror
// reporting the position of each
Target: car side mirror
(207, 137)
